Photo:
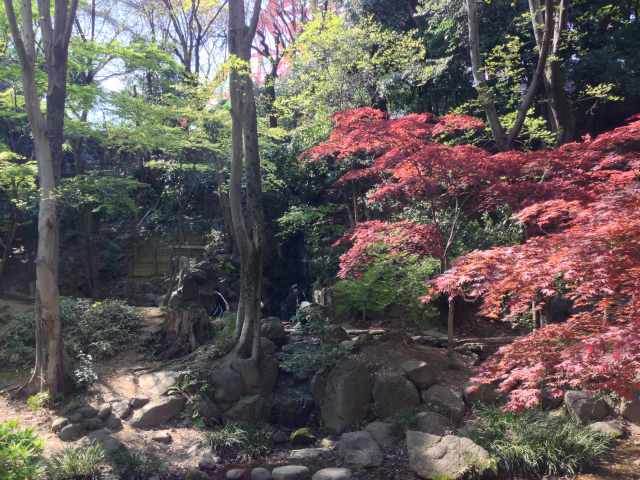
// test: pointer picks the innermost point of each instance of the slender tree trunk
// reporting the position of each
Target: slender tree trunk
(47, 138)
(247, 222)
(563, 120)
(450, 327)
(504, 140)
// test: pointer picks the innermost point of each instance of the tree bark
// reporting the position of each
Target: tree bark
(562, 116)
(504, 140)
(247, 222)
(450, 328)
(47, 134)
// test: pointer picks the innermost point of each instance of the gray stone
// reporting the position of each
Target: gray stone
(479, 392)
(291, 472)
(332, 474)
(121, 409)
(158, 412)
(360, 449)
(630, 410)
(91, 424)
(104, 411)
(208, 461)
(235, 474)
(446, 401)
(382, 433)
(292, 409)
(106, 440)
(162, 437)
(247, 409)
(113, 423)
(227, 386)
(585, 406)
(156, 384)
(272, 328)
(450, 457)
(138, 402)
(309, 454)
(344, 397)
(393, 393)
(75, 417)
(612, 429)
(433, 423)
(260, 474)
(58, 424)
(71, 432)
(420, 373)
(87, 411)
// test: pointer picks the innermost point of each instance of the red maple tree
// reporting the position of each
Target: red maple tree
(578, 204)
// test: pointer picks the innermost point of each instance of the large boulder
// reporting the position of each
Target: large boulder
(343, 395)
(445, 400)
(382, 433)
(612, 428)
(158, 383)
(248, 410)
(432, 422)
(393, 393)
(71, 432)
(630, 409)
(586, 406)
(450, 457)
(227, 386)
(157, 412)
(420, 373)
(272, 328)
(360, 449)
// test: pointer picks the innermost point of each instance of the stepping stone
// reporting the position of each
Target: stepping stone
(308, 454)
(291, 472)
(332, 474)
(260, 474)
(235, 474)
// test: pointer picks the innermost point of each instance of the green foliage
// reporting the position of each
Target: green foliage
(336, 66)
(97, 329)
(136, 464)
(37, 401)
(532, 442)
(241, 442)
(389, 280)
(303, 362)
(20, 453)
(79, 463)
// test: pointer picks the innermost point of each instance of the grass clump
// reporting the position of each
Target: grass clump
(81, 463)
(135, 464)
(38, 401)
(20, 453)
(235, 441)
(534, 443)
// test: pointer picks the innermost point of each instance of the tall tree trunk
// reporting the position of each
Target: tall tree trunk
(504, 140)
(247, 222)
(47, 134)
(563, 118)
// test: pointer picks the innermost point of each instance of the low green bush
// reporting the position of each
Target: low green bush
(534, 443)
(99, 329)
(241, 442)
(303, 363)
(81, 463)
(136, 464)
(20, 453)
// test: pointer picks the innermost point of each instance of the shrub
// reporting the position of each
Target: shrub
(388, 280)
(96, 328)
(135, 464)
(37, 401)
(20, 453)
(241, 442)
(303, 363)
(81, 463)
(532, 442)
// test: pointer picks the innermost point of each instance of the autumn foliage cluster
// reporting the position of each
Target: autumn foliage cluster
(579, 206)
